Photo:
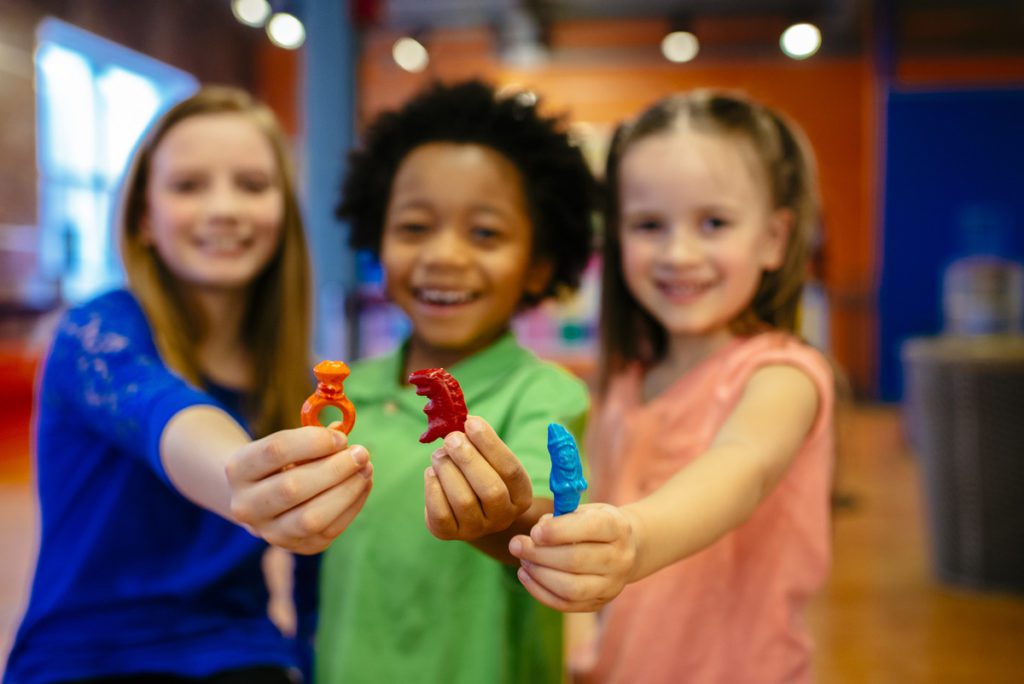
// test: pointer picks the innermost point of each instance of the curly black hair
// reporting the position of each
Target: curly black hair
(560, 190)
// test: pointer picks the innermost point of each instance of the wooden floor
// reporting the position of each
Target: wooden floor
(880, 619)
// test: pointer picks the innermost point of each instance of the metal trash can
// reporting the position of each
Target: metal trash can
(964, 404)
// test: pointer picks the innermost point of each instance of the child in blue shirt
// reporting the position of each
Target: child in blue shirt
(144, 459)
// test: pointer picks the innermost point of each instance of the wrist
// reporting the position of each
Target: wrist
(635, 538)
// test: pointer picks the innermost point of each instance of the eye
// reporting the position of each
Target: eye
(713, 224)
(485, 234)
(254, 184)
(644, 224)
(410, 229)
(185, 185)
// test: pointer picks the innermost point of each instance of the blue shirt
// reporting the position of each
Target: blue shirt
(131, 576)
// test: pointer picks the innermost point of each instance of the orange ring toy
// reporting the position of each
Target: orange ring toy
(330, 391)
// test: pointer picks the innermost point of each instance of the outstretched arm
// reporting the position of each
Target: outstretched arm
(298, 489)
(580, 562)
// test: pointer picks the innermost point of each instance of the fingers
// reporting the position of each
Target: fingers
(484, 482)
(501, 459)
(287, 447)
(437, 512)
(581, 558)
(486, 486)
(286, 489)
(583, 594)
(589, 523)
(311, 527)
(342, 522)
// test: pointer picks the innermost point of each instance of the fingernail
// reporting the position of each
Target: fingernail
(453, 441)
(472, 423)
(340, 439)
(359, 455)
(515, 547)
(367, 471)
(429, 472)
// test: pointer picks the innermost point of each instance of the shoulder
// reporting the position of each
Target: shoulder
(539, 380)
(778, 369)
(114, 308)
(105, 323)
(779, 349)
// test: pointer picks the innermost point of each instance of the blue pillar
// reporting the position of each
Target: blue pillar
(328, 114)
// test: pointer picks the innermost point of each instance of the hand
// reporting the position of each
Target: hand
(475, 486)
(579, 561)
(299, 489)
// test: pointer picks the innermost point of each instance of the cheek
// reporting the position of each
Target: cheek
(634, 262)
(395, 266)
(271, 212)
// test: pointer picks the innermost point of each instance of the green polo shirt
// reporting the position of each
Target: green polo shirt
(398, 604)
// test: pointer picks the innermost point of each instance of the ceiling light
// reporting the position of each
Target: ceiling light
(680, 46)
(285, 31)
(800, 41)
(410, 54)
(251, 12)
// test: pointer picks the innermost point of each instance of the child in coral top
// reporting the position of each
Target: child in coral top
(712, 444)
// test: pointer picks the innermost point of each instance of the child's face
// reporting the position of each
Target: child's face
(697, 230)
(456, 247)
(214, 203)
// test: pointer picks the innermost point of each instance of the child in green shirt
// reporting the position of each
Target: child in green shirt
(477, 207)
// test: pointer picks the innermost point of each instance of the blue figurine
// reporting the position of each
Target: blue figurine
(566, 470)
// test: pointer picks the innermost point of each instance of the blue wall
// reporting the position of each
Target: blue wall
(954, 186)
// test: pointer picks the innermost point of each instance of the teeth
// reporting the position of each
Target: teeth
(681, 289)
(445, 296)
(224, 243)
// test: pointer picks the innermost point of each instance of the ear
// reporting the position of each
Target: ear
(776, 240)
(539, 276)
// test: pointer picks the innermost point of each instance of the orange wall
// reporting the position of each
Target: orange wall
(828, 97)
(605, 71)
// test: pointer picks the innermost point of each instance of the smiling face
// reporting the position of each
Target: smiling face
(214, 203)
(697, 230)
(457, 249)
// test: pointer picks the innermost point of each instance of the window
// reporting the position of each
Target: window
(94, 100)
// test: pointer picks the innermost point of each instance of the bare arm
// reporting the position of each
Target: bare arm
(579, 562)
(723, 487)
(194, 449)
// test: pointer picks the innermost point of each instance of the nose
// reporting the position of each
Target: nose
(682, 246)
(446, 248)
(223, 202)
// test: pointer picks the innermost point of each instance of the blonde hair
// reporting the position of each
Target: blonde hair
(628, 332)
(276, 325)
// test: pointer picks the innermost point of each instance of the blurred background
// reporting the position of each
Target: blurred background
(915, 109)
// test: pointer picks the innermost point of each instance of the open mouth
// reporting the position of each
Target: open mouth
(443, 297)
(223, 244)
(674, 289)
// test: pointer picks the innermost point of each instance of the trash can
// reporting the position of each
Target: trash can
(964, 406)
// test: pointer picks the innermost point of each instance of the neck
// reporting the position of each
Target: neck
(685, 352)
(682, 355)
(420, 355)
(223, 350)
